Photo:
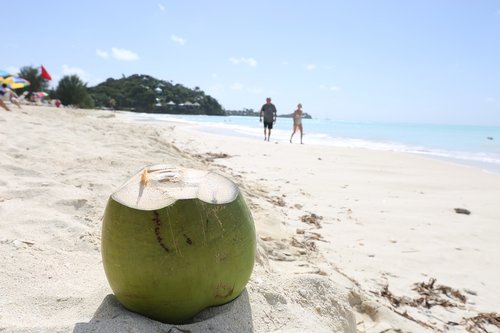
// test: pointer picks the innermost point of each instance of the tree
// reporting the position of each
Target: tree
(33, 75)
(72, 91)
(211, 106)
(145, 101)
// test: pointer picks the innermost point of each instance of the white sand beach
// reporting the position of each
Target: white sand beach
(335, 227)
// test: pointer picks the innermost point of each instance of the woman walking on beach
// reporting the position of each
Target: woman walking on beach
(297, 122)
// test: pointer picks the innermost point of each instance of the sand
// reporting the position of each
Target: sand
(343, 234)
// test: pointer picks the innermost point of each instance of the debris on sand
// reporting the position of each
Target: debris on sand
(211, 157)
(277, 201)
(462, 211)
(481, 322)
(429, 296)
(312, 219)
(306, 244)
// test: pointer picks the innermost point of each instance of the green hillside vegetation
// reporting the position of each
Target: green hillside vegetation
(143, 93)
(137, 93)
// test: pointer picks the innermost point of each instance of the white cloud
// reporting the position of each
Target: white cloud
(329, 88)
(214, 75)
(122, 54)
(162, 8)
(67, 70)
(284, 63)
(310, 67)
(242, 60)
(236, 86)
(178, 40)
(102, 54)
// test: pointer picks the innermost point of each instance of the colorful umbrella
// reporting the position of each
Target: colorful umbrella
(41, 94)
(16, 82)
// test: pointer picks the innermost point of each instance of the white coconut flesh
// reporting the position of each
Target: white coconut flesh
(159, 186)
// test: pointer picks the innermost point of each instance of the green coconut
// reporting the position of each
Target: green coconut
(176, 241)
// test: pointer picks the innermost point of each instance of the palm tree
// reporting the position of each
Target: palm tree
(33, 75)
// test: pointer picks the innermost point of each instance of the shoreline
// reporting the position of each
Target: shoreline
(334, 225)
(227, 128)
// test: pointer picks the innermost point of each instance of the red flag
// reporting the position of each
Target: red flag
(45, 74)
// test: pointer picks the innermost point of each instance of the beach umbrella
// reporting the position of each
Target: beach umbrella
(16, 82)
(41, 94)
(3, 73)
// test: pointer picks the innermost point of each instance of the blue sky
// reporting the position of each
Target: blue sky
(423, 61)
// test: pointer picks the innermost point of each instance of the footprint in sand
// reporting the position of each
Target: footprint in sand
(274, 298)
(20, 172)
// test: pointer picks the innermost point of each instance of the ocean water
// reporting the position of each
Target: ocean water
(471, 145)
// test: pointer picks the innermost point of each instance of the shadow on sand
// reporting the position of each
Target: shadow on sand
(111, 316)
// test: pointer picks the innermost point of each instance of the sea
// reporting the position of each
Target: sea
(471, 145)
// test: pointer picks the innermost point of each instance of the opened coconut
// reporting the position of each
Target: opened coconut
(176, 241)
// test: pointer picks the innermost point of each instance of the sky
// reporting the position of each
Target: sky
(425, 61)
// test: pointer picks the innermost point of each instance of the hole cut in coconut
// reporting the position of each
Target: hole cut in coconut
(158, 186)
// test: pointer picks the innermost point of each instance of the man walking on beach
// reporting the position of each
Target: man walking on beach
(269, 111)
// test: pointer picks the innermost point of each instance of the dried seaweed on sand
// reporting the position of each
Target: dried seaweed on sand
(312, 219)
(429, 296)
(429, 291)
(304, 244)
(278, 201)
(211, 157)
(479, 323)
